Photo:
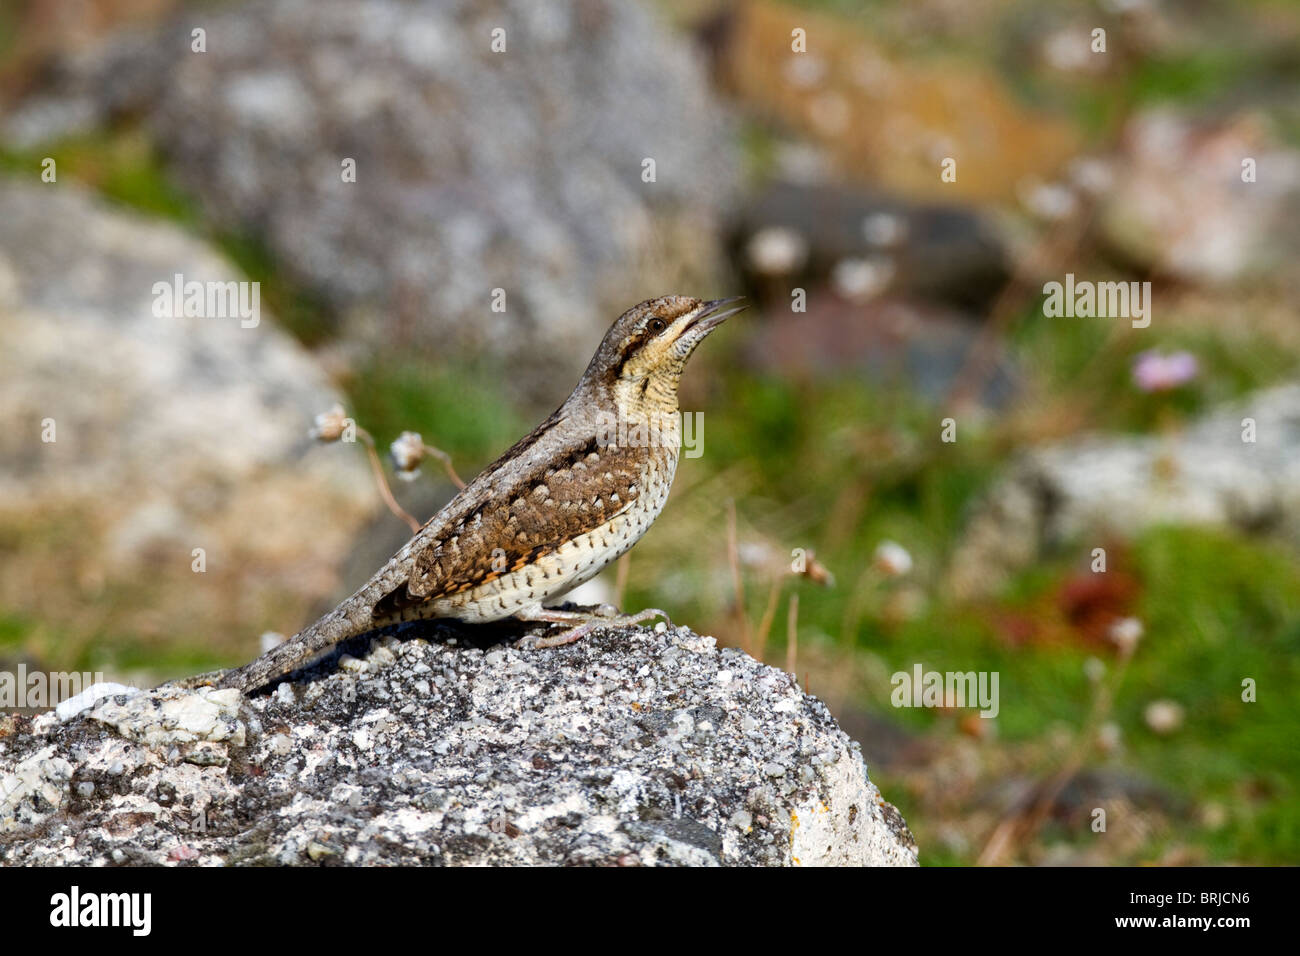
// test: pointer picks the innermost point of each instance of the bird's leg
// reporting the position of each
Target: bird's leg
(584, 622)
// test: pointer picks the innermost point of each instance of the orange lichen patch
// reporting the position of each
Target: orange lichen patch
(884, 121)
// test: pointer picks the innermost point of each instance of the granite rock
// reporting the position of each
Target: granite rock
(634, 746)
(1236, 467)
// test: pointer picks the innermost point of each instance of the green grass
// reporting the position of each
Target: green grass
(56, 648)
(1221, 609)
(120, 165)
(1217, 608)
(1069, 355)
(459, 407)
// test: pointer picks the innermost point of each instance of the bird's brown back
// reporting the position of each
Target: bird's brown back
(561, 481)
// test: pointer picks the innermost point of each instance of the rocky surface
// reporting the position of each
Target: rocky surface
(476, 170)
(170, 434)
(893, 342)
(1179, 204)
(811, 234)
(635, 746)
(1113, 487)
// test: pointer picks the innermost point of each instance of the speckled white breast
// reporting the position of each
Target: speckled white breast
(573, 563)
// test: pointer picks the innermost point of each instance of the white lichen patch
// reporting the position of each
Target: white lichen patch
(163, 717)
(34, 789)
(67, 709)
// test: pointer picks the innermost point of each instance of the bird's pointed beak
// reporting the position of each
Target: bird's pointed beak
(714, 313)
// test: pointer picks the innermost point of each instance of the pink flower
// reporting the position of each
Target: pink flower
(1155, 372)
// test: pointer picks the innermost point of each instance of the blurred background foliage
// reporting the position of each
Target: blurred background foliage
(822, 429)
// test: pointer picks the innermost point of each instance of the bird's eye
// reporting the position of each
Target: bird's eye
(657, 325)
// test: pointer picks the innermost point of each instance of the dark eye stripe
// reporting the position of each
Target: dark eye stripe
(629, 350)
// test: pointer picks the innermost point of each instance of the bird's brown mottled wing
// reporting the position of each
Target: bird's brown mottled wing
(507, 518)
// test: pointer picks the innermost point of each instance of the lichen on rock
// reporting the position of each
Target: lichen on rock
(634, 746)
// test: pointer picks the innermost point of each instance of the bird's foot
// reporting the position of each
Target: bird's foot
(584, 622)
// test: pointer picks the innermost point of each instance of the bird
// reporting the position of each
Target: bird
(556, 508)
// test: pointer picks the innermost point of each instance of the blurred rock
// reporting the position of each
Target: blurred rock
(804, 235)
(170, 434)
(891, 286)
(1179, 206)
(906, 344)
(475, 170)
(633, 747)
(1091, 489)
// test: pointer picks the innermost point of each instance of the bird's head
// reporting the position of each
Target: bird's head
(641, 358)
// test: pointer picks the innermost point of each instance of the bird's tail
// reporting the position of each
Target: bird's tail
(349, 619)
